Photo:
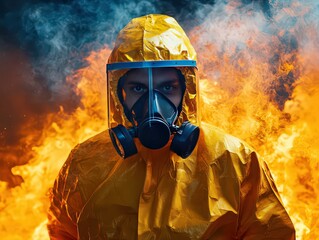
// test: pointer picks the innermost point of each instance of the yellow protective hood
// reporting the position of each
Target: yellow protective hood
(152, 37)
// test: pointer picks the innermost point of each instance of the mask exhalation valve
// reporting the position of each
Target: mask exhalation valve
(154, 133)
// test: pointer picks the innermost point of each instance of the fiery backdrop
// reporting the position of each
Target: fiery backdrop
(259, 78)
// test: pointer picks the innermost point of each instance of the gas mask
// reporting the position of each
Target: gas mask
(153, 116)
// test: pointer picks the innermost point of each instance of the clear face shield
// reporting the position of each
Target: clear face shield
(151, 95)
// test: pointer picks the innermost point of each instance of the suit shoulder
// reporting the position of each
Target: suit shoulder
(218, 143)
(90, 162)
(95, 150)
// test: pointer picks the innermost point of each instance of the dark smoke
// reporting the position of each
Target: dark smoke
(42, 42)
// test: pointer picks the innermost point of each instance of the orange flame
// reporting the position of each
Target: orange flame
(24, 209)
(271, 105)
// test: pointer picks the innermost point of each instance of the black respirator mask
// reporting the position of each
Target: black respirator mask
(153, 117)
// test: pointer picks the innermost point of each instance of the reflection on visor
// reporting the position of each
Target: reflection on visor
(150, 64)
(150, 92)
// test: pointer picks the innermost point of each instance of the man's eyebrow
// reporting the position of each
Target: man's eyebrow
(175, 80)
(135, 83)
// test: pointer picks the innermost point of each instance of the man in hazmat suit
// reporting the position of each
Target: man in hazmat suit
(158, 172)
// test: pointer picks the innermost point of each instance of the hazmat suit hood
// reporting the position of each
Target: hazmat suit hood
(152, 38)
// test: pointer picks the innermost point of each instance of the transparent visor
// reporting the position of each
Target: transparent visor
(139, 90)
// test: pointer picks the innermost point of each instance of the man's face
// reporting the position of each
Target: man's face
(165, 80)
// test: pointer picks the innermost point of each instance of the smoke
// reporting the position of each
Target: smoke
(243, 35)
(43, 42)
(54, 38)
(252, 53)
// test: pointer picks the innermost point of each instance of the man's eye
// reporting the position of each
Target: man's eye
(168, 88)
(139, 89)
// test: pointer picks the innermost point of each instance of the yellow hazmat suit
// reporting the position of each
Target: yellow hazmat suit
(221, 191)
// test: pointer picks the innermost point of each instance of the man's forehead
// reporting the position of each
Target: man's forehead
(140, 73)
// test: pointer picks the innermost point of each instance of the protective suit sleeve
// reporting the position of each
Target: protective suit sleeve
(66, 203)
(262, 214)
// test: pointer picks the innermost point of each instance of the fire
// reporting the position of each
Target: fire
(252, 85)
(263, 88)
(24, 209)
